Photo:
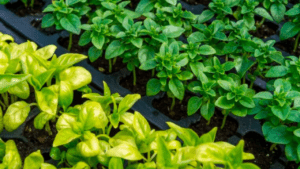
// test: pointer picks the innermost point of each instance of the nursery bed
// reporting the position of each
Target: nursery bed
(155, 109)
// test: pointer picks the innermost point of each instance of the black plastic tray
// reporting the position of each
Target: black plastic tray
(21, 29)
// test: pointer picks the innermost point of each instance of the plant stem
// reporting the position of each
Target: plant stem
(5, 98)
(251, 84)
(110, 65)
(226, 58)
(148, 157)
(224, 119)
(115, 60)
(109, 129)
(70, 41)
(296, 42)
(173, 104)
(48, 129)
(3, 105)
(153, 72)
(134, 76)
(32, 3)
(273, 146)
(244, 79)
(260, 23)
(208, 122)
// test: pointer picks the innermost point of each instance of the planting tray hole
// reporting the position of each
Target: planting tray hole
(180, 109)
(288, 46)
(256, 144)
(265, 30)
(142, 77)
(19, 9)
(102, 65)
(224, 134)
(37, 23)
(64, 42)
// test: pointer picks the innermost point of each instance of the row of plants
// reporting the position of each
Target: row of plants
(148, 39)
(101, 132)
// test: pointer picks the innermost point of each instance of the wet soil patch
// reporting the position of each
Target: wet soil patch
(256, 144)
(142, 77)
(224, 134)
(19, 8)
(180, 109)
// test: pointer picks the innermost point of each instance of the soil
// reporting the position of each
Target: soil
(64, 42)
(38, 140)
(19, 9)
(256, 144)
(292, 165)
(266, 30)
(142, 77)
(294, 1)
(196, 2)
(224, 134)
(288, 46)
(37, 23)
(102, 65)
(180, 109)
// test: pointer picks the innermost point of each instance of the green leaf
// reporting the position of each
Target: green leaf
(114, 49)
(208, 137)
(188, 136)
(279, 135)
(278, 11)
(115, 163)
(242, 65)
(85, 38)
(98, 41)
(163, 154)
(247, 102)
(207, 110)
(71, 23)
(264, 95)
(172, 2)
(48, 21)
(15, 115)
(148, 64)
(144, 6)
(137, 42)
(288, 30)
(194, 104)
(141, 126)
(125, 151)
(71, 2)
(21, 90)
(41, 119)
(34, 160)
(263, 12)
(225, 84)
(12, 157)
(89, 146)
(66, 60)
(281, 112)
(277, 71)
(223, 103)
(297, 132)
(127, 102)
(196, 37)
(76, 77)
(173, 31)
(65, 96)
(7, 81)
(177, 88)
(153, 87)
(205, 16)
(207, 50)
(94, 53)
(64, 136)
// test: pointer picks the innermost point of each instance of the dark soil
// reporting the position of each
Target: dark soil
(102, 65)
(196, 2)
(75, 47)
(292, 165)
(294, 1)
(19, 9)
(266, 30)
(38, 140)
(288, 46)
(180, 109)
(142, 77)
(256, 144)
(224, 134)
(37, 23)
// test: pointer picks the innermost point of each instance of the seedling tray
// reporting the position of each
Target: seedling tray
(21, 29)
